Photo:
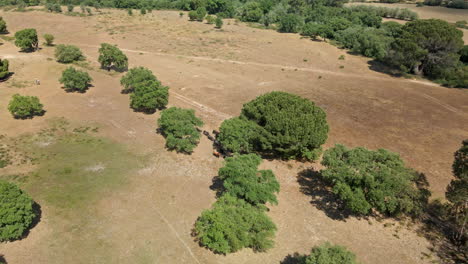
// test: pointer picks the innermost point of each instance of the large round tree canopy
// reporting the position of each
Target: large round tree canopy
(16, 211)
(295, 126)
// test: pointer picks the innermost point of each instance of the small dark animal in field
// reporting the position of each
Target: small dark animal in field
(210, 138)
(206, 133)
(216, 154)
(37, 82)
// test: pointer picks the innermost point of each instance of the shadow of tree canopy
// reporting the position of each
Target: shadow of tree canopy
(295, 258)
(2, 259)
(322, 197)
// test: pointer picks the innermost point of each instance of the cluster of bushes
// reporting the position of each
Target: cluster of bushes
(199, 15)
(278, 124)
(147, 94)
(238, 218)
(459, 4)
(180, 128)
(16, 211)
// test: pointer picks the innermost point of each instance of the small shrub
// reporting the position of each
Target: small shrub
(210, 19)
(49, 39)
(75, 80)
(218, 22)
(328, 254)
(149, 96)
(3, 26)
(4, 72)
(143, 11)
(68, 53)
(181, 14)
(179, 126)
(232, 224)
(25, 106)
(193, 15)
(130, 12)
(88, 10)
(70, 8)
(16, 212)
(201, 13)
(342, 57)
(26, 39)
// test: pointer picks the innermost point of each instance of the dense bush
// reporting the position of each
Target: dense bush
(329, 254)
(198, 15)
(26, 39)
(3, 26)
(112, 57)
(135, 76)
(232, 224)
(49, 39)
(241, 179)
(179, 126)
(210, 19)
(148, 96)
(16, 212)
(370, 42)
(240, 135)
(314, 30)
(218, 22)
(4, 72)
(75, 80)
(290, 23)
(251, 12)
(365, 180)
(25, 106)
(68, 53)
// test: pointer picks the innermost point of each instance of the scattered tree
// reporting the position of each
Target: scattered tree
(148, 96)
(25, 106)
(3, 26)
(232, 224)
(68, 53)
(4, 72)
(26, 39)
(241, 179)
(135, 76)
(365, 179)
(75, 80)
(179, 126)
(16, 211)
(49, 39)
(112, 57)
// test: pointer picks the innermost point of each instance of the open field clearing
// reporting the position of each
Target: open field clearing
(110, 192)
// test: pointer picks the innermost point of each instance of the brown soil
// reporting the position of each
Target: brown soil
(215, 72)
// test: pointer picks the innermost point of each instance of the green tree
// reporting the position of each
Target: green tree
(330, 254)
(179, 126)
(294, 127)
(25, 106)
(251, 12)
(193, 15)
(232, 224)
(201, 13)
(241, 179)
(457, 191)
(75, 80)
(240, 135)
(26, 39)
(427, 46)
(4, 72)
(16, 211)
(129, 11)
(314, 30)
(143, 11)
(70, 8)
(3, 26)
(68, 53)
(49, 39)
(365, 179)
(148, 96)
(218, 22)
(291, 23)
(135, 76)
(112, 57)
(210, 19)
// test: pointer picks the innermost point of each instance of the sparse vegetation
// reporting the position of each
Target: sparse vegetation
(179, 126)
(3, 26)
(75, 80)
(49, 39)
(68, 53)
(112, 57)
(26, 39)
(25, 106)
(327, 254)
(4, 72)
(16, 211)
(218, 22)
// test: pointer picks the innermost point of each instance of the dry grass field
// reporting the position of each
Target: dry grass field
(95, 210)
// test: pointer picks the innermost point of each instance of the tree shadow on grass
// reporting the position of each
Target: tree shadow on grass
(217, 186)
(38, 215)
(381, 67)
(69, 90)
(295, 258)
(6, 78)
(312, 184)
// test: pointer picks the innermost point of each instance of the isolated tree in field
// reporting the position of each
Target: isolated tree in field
(218, 22)
(75, 80)
(179, 126)
(16, 211)
(26, 39)
(201, 13)
(135, 76)
(457, 191)
(329, 254)
(232, 224)
(49, 39)
(3, 26)
(112, 57)
(241, 179)
(427, 46)
(149, 96)
(25, 106)
(68, 53)
(364, 179)
(4, 72)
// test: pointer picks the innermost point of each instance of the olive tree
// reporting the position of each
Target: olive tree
(179, 126)
(364, 179)
(4, 72)
(149, 96)
(26, 39)
(135, 76)
(232, 224)
(25, 106)
(16, 211)
(75, 80)
(68, 53)
(112, 57)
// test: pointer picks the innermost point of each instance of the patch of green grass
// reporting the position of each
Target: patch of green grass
(7, 38)
(18, 84)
